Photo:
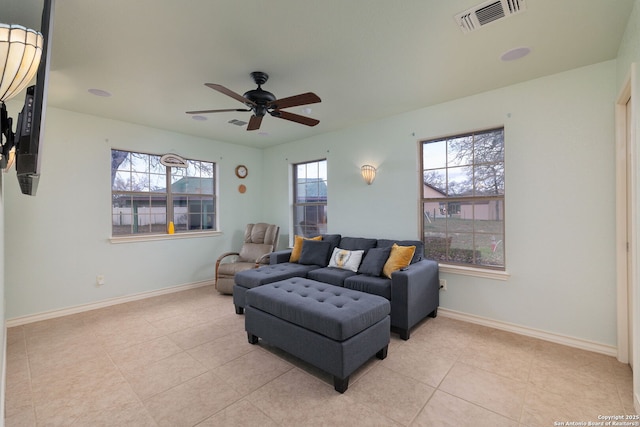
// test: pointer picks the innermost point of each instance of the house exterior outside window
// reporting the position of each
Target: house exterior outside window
(147, 195)
(463, 199)
(310, 198)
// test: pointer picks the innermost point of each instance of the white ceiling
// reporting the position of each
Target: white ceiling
(366, 59)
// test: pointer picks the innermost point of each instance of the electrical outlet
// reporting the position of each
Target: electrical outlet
(100, 280)
(443, 284)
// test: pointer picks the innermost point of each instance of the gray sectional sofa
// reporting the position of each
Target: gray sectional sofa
(413, 291)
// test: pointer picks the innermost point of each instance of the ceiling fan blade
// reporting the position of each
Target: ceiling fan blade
(294, 101)
(230, 93)
(295, 118)
(216, 111)
(254, 123)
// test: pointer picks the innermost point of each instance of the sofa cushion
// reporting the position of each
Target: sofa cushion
(315, 252)
(380, 286)
(297, 246)
(271, 273)
(400, 257)
(348, 260)
(357, 243)
(418, 255)
(333, 238)
(331, 275)
(374, 261)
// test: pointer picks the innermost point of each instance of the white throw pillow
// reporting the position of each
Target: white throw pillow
(348, 260)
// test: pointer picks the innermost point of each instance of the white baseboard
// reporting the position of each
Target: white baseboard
(531, 332)
(23, 320)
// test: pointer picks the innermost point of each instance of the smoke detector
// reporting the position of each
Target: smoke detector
(488, 12)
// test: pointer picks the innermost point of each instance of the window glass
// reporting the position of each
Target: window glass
(463, 199)
(310, 198)
(147, 195)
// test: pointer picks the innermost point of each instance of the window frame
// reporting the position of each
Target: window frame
(169, 197)
(473, 268)
(317, 204)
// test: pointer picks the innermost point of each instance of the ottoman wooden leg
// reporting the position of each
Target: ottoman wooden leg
(340, 384)
(382, 354)
(252, 338)
(239, 310)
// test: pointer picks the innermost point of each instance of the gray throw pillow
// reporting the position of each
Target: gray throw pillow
(315, 252)
(374, 261)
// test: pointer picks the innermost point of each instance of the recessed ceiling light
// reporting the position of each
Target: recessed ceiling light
(517, 53)
(199, 118)
(99, 92)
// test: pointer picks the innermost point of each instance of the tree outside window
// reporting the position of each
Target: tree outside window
(147, 195)
(463, 199)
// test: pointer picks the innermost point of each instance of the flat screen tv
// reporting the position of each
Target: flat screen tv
(29, 132)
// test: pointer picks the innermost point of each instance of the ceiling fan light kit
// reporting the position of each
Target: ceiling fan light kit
(261, 102)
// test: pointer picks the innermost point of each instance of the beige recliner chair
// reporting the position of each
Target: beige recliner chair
(259, 241)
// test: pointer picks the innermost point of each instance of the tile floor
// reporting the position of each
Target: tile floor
(183, 360)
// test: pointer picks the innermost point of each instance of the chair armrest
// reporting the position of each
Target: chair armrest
(226, 254)
(415, 292)
(264, 259)
(278, 257)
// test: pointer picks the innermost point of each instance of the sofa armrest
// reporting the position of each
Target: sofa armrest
(278, 257)
(415, 294)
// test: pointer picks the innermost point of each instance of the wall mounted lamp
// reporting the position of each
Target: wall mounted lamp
(368, 173)
(20, 52)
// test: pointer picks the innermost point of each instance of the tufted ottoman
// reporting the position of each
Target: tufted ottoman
(332, 328)
(248, 279)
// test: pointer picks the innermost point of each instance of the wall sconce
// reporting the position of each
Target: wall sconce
(368, 173)
(20, 51)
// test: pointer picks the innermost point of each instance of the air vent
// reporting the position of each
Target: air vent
(488, 12)
(237, 122)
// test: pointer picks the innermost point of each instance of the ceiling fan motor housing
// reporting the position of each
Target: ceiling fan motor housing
(260, 98)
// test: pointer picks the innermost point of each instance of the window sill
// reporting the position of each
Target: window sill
(154, 237)
(475, 272)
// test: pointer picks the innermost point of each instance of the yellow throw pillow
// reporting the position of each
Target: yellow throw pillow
(400, 257)
(297, 247)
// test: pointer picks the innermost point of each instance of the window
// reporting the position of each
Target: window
(310, 198)
(146, 195)
(463, 199)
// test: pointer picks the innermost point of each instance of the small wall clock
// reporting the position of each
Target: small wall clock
(241, 171)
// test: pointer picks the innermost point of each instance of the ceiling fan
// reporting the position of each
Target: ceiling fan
(261, 102)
